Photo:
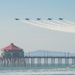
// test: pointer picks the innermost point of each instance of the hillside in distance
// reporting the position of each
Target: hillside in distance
(48, 53)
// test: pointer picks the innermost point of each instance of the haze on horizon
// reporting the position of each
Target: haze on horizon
(32, 38)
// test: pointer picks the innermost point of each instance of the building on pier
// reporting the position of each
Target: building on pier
(11, 51)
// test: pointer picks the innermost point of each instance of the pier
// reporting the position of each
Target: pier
(13, 55)
(29, 61)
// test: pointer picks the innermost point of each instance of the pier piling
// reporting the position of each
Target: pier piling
(36, 60)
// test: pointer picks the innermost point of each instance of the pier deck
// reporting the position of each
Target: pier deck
(38, 60)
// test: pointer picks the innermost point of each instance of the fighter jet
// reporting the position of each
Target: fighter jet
(27, 19)
(38, 18)
(16, 18)
(49, 18)
(60, 18)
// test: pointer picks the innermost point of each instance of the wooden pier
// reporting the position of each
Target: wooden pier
(37, 60)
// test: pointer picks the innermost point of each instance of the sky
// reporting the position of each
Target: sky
(32, 38)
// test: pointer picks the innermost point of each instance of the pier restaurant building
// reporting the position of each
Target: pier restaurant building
(11, 51)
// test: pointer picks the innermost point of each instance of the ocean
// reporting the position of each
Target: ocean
(43, 70)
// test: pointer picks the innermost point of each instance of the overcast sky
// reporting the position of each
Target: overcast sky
(32, 38)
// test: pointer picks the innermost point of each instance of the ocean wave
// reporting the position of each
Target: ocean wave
(39, 72)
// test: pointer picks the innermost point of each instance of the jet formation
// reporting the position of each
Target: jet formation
(38, 19)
